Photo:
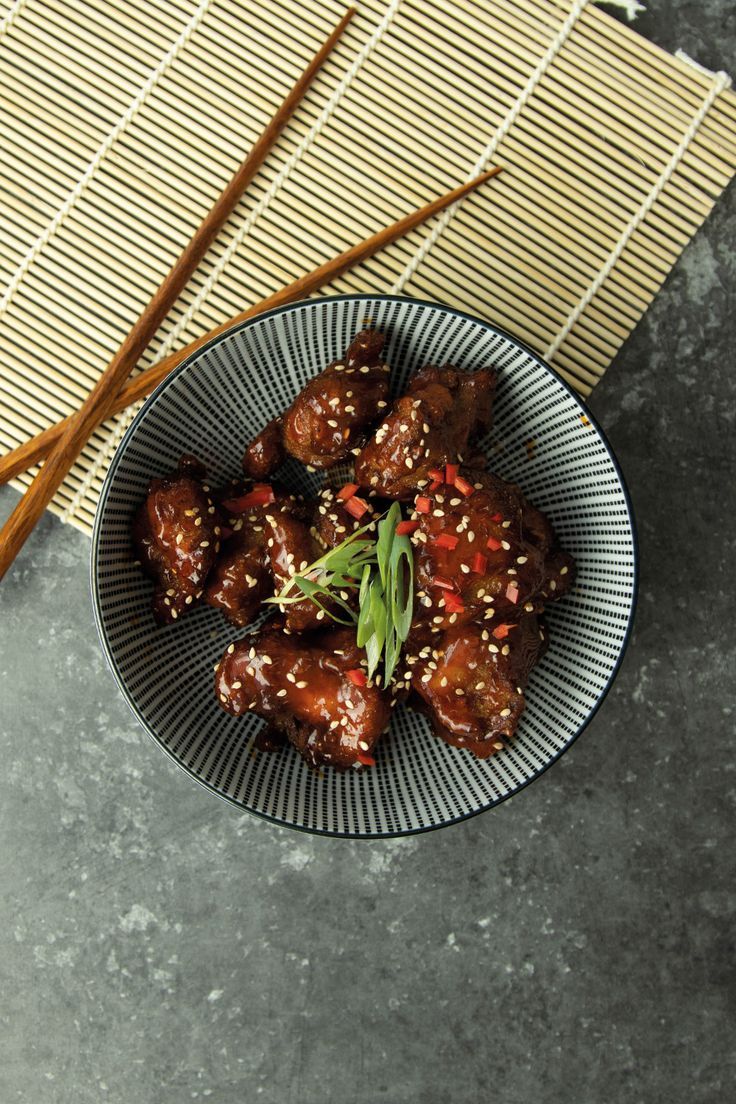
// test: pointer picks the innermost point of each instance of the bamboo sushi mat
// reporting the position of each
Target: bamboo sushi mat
(121, 122)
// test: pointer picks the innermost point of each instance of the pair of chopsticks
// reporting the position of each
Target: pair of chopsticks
(61, 444)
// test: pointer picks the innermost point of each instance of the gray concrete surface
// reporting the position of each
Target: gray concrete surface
(575, 945)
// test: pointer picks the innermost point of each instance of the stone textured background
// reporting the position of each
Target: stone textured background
(574, 945)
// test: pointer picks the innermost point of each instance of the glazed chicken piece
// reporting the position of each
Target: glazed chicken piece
(484, 553)
(177, 533)
(241, 577)
(265, 452)
(313, 690)
(291, 548)
(473, 692)
(329, 417)
(333, 522)
(432, 424)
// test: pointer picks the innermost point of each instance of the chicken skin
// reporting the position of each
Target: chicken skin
(312, 689)
(329, 417)
(473, 688)
(485, 554)
(177, 533)
(432, 424)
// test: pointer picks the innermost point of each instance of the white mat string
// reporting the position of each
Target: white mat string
(9, 19)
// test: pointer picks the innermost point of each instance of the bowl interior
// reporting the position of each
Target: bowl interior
(541, 439)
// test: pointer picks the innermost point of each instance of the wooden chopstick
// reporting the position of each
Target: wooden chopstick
(100, 402)
(29, 453)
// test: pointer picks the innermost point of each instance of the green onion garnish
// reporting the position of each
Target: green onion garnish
(382, 570)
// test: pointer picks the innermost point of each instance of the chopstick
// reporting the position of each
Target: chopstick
(101, 400)
(29, 453)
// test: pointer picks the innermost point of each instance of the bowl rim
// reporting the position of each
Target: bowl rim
(151, 400)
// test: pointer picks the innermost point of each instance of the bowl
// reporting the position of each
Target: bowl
(543, 438)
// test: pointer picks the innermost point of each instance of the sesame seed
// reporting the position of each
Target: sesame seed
(174, 614)
(290, 677)
(498, 745)
(301, 684)
(563, 571)
(380, 404)
(198, 521)
(521, 559)
(505, 713)
(505, 650)
(480, 686)
(320, 615)
(236, 685)
(334, 724)
(443, 680)
(427, 677)
(505, 545)
(179, 538)
(512, 571)
(485, 635)
(438, 513)
(459, 691)
(267, 659)
(231, 649)
(471, 536)
(456, 501)
(281, 693)
(365, 370)
(465, 569)
(553, 585)
(505, 524)
(331, 422)
(528, 607)
(344, 722)
(223, 698)
(409, 462)
(493, 648)
(363, 745)
(188, 600)
(251, 671)
(204, 544)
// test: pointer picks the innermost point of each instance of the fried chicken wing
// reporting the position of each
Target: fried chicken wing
(432, 424)
(177, 533)
(313, 690)
(292, 548)
(330, 416)
(333, 522)
(485, 554)
(472, 685)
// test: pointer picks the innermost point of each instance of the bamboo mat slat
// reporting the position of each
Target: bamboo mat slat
(614, 153)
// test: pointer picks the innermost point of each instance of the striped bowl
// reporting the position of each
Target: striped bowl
(543, 438)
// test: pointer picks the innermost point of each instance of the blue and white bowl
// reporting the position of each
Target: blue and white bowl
(543, 438)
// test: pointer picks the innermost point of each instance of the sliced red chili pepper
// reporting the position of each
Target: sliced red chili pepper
(356, 507)
(450, 474)
(437, 475)
(405, 527)
(365, 759)
(480, 563)
(464, 487)
(496, 517)
(357, 676)
(493, 544)
(502, 631)
(261, 495)
(512, 593)
(441, 581)
(347, 492)
(453, 603)
(434, 485)
(422, 504)
(446, 540)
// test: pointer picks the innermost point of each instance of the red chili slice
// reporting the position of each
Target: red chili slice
(405, 527)
(446, 540)
(450, 474)
(453, 603)
(434, 485)
(357, 676)
(493, 544)
(356, 507)
(365, 759)
(496, 517)
(437, 475)
(480, 563)
(261, 495)
(464, 487)
(441, 581)
(512, 593)
(422, 504)
(347, 492)
(502, 631)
